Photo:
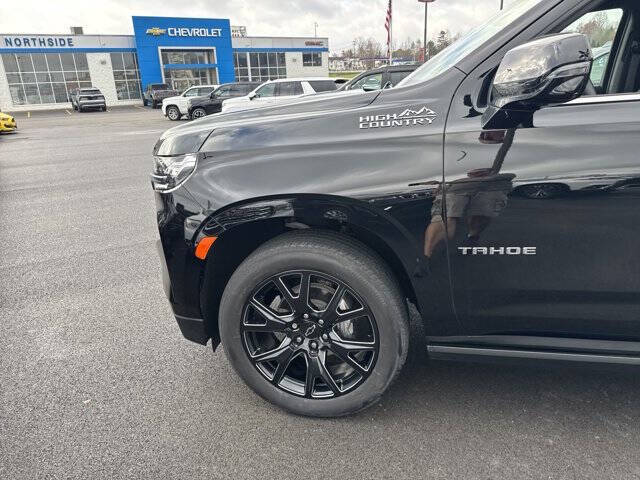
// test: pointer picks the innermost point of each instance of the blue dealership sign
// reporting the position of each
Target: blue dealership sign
(153, 34)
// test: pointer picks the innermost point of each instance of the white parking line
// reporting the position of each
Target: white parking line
(68, 112)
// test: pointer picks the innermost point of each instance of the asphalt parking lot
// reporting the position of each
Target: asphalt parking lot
(97, 382)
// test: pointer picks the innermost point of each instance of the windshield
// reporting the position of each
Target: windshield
(455, 52)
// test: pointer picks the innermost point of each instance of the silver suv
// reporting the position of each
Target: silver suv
(84, 98)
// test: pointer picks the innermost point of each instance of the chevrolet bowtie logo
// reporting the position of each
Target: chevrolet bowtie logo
(156, 31)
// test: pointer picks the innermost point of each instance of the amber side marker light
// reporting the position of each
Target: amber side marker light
(203, 247)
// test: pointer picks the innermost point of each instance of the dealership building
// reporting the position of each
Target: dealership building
(38, 71)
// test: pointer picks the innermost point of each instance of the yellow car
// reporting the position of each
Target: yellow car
(7, 123)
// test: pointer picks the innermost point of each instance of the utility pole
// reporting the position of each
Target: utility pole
(425, 45)
(315, 29)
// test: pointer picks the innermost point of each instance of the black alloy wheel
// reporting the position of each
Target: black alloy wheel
(309, 334)
(198, 113)
(315, 322)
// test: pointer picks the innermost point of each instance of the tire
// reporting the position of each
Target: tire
(154, 104)
(173, 113)
(144, 102)
(80, 110)
(367, 278)
(543, 191)
(104, 109)
(74, 106)
(198, 113)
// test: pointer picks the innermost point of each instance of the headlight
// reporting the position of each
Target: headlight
(170, 172)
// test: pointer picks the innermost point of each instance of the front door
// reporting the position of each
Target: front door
(543, 219)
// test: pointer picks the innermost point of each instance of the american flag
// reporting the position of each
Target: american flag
(387, 25)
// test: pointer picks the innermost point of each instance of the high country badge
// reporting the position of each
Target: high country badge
(408, 118)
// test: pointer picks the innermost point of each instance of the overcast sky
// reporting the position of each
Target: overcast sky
(340, 20)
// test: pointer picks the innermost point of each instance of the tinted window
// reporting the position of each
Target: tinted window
(288, 89)
(323, 85)
(205, 91)
(396, 77)
(223, 91)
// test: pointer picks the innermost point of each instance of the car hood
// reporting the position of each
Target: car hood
(172, 99)
(189, 138)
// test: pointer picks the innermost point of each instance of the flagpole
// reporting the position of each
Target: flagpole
(391, 33)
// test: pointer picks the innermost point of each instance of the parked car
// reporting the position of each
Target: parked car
(279, 91)
(155, 93)
(299, 235)
(87, 98)
(600, 62)
(174, 108)
(7, 123)
(387, 76)
(202, 106)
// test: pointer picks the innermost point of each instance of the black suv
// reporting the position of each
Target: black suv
(297, 235)
(202, 106)
(383, 77)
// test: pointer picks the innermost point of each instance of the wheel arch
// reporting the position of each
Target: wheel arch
(241, 228)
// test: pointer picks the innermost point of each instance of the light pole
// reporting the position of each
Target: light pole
(426, 16)
(315, 29)
(501, 4)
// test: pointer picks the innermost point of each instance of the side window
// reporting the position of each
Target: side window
(288, 89)
(371, 81)
(601, 28)
(204, 91)
(223, 91)
(192, 92)
(396, 77)
(323, 85)
(267, 91)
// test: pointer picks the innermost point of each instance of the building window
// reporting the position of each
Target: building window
(188, 57)
(260, 67)
(36, 78)
(126, 75)
(180, 79)
(241, 67)
(311, 59)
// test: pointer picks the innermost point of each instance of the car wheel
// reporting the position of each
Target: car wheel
(79, 108)
(543, 191)
(198, 113)
(315, 323)
(104, 109)
(144, 102)
(173, 113)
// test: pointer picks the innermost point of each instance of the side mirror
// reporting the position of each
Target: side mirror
(252, 95)
(549, 70)
(370, 87)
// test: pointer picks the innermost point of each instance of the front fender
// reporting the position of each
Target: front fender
(363, 220)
